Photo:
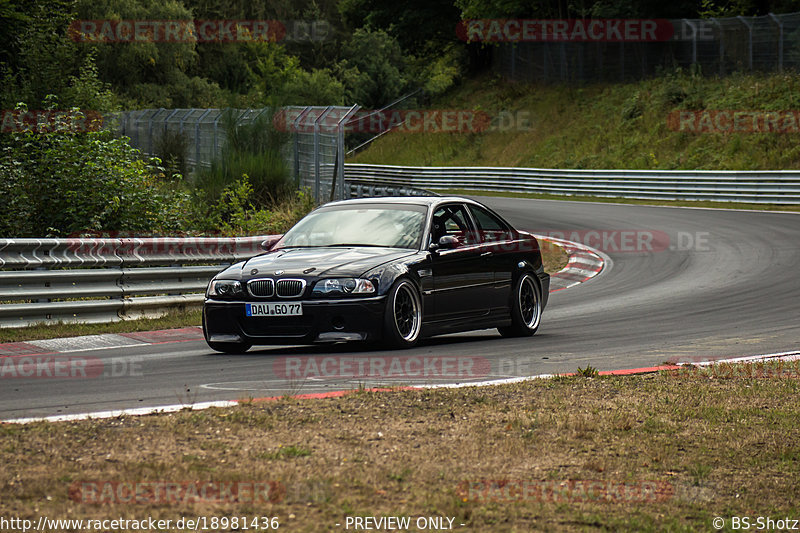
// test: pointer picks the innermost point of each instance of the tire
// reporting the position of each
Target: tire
(224, 347)
(402, 321)
(526, 308)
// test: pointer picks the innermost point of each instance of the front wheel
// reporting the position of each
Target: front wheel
(403, 315)
(526, 308)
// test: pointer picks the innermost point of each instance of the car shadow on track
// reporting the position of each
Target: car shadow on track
(359, 348)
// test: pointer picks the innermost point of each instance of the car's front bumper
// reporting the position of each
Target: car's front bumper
(321, 321)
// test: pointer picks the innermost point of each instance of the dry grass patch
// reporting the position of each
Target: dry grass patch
(719, 446)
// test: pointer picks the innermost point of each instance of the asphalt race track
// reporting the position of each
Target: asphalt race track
(688, 284)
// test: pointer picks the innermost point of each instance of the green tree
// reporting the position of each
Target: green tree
(372, 68)
(416, 24)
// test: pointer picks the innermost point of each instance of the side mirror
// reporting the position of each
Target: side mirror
(446, 242)
(269, 242)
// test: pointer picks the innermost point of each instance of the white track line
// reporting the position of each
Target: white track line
(784, 356)
(139, 411)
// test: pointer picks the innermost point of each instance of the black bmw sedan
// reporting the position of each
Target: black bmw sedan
(381, 269)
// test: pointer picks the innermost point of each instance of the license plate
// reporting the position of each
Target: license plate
(273, 309)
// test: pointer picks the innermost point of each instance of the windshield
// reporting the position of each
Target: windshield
(389, 225)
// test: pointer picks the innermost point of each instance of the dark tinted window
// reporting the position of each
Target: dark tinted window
(489, 225)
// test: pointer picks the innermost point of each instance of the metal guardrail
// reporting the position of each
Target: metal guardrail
(104, 280)
(367, 189)
(757, 187)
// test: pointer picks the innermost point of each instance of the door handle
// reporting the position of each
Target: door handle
(485, 254)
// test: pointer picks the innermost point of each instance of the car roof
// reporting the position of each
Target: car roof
(414, 200)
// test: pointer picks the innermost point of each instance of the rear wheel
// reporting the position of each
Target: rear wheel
(403, 316)
(526, 308)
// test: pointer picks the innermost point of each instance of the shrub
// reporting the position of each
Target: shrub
(67, 182)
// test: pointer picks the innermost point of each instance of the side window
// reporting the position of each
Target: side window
(453, 220)
(490, 227)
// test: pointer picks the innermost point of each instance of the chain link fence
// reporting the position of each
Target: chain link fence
(769, 43)
(314, 153)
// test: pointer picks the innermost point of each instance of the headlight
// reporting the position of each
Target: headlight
(225, 288)
(337, 286)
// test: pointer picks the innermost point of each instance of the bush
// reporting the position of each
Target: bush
(67, 182)
(172, 148)
(236, 214)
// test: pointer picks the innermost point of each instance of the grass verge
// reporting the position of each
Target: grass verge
(553, 256)
(54, 331)
(628, 201)
(604, 126)
(713, 446)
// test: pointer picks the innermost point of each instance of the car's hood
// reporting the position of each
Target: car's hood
(321, 261)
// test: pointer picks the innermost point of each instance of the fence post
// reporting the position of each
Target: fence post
(513, 61)
(296, 129)
(134, 120)
(749, 27)
(123, 123)
(316, 152)
(216, 127)
(721, 46)
(340, 147)
(183, 120)
(694, 40)
(150, 131)
(197, 139)
(779, 22)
